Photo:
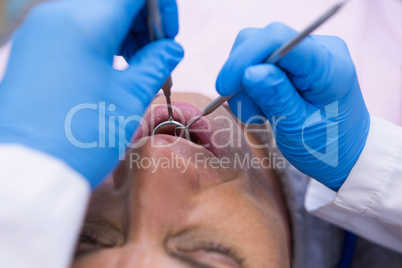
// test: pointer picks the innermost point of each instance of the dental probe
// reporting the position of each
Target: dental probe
(155, 33)
(167, 89)
(275, 57)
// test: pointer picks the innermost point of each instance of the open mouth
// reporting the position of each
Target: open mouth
(200, 132)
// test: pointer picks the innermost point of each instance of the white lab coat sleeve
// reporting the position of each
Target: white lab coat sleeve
(42, 205)
(369, 203)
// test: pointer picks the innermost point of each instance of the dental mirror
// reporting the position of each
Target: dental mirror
(172, 126)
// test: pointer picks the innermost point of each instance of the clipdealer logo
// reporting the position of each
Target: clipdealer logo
(331, 155)
(112, 132)
(201, 161)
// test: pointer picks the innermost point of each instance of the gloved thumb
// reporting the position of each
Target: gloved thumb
(150, 67)
(271, 89)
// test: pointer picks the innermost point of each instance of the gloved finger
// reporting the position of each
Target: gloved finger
(252, 51)
(271, 89)
(315, 66)
(249, 112)
(307, 64)
(113, 18)
(333, 43)
(241, 105)
(245, 109)
(170, 18)
(138, 35)
(150, 68)
(243, 35)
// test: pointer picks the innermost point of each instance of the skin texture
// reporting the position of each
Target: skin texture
(194, 217)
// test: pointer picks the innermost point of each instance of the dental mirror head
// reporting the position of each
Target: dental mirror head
(172, 126)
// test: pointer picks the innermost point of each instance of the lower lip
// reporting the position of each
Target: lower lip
(183, 113)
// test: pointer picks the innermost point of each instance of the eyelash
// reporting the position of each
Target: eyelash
(204, 245)
(88, 240)
(91, 238)
(216, 247)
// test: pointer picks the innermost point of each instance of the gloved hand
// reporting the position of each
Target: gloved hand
(311, 97)
(60, 94)
(138, 35)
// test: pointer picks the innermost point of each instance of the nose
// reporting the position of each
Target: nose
(160, 184)
(143, 256)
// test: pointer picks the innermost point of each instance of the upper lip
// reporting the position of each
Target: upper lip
(183, 113)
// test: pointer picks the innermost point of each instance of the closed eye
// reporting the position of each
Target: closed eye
(211, 253)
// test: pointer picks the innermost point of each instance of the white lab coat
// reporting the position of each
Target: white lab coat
(370, 201)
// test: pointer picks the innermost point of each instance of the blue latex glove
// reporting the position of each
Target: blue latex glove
(138, 35)
(61, 60)
(311, 97)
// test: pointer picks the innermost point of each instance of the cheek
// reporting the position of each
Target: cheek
(129, 255)
(269, 245)
(278, 242)
(270, 235)
(282, 245)
(100, 259)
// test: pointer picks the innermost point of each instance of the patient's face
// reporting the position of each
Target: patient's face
(195, 210)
